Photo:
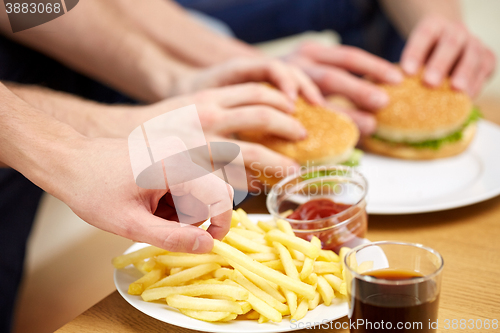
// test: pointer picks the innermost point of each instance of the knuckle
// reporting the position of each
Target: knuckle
(173, 241)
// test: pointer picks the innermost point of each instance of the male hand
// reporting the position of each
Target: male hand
(447, 48)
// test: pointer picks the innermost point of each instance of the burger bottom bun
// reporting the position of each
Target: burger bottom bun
(411, 153)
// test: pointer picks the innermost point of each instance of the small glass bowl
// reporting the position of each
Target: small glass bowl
(339, 183)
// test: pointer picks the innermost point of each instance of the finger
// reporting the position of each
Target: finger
(220, 223)
(308, 89)
(251, 94)
(354, 60)
(168, 235)
(487, 66)
(264, 119)
(447, 51)
(335, 81)
(258, 157)
(465, 72)
(365, 121)
(420, 43)
(283, 78)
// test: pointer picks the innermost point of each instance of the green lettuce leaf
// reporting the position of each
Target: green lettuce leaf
(474, 116)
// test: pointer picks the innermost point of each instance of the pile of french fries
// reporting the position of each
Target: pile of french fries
(258, 271)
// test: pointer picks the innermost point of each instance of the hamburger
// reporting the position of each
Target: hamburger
(331, 138)
(422, 123)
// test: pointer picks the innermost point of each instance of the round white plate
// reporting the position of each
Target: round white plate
(398, 186)
(161, 311)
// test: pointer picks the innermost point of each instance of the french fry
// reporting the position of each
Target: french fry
(264, 256)
(229, 317)
(262, 307)
(265, 226)
(150, 265)
(245, 306)
(286, 260)
(240, 258)
(248, 233)
(323, 267)
(245, 221)
(190, 261)
(236, 293)
(291, 300)
(176, 270)
(285, 227)
(308, 267)
(235, 219)
(328, 255)
(245, 244)
(262, 319)
(334, 281)
(209, 316)
(261, 294)
(313, 303)
(269, 287)
(312, 279)
(137, 287)
(197, 303)
(302, 309)
(325, 290)
(185, 275)
(252, 315)
(293, 242)
(129, 258)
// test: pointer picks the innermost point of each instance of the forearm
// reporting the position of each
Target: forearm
(34, 143)
(171, 27)
(96, 42)
(86, 117)
(406, 14)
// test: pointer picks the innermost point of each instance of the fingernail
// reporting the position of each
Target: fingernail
(293, 95)
(291, 106)
(379, 99)
(432, 77)
(394, 77)
(459, 83)
(196, 244)
(410, 67)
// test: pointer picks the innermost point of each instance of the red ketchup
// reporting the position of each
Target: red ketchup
(317, 209)
(330, 214)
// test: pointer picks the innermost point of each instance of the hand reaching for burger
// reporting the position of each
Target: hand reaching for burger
(287, 78)
(333, 69)
(447, 48)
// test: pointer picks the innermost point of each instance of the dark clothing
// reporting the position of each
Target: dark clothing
(359, 23)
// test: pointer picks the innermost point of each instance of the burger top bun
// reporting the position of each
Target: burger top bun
(331, 136)
(419, 113)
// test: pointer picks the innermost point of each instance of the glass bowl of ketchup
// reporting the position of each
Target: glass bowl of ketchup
(326, 202)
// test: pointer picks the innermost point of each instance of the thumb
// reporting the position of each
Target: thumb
(169, 235)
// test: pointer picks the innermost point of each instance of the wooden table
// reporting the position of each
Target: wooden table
(468, 238)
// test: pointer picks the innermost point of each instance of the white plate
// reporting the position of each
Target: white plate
(161, 311)
(398, 186)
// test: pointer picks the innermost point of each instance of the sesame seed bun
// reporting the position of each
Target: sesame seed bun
(418, 113)
(331, 137)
